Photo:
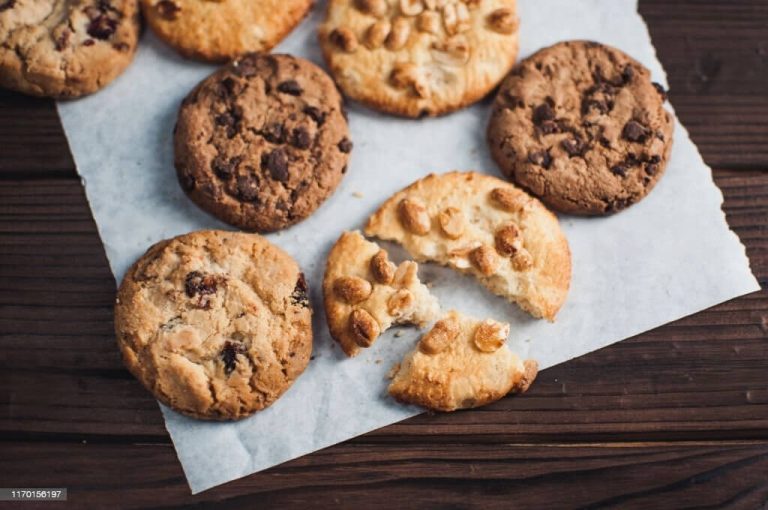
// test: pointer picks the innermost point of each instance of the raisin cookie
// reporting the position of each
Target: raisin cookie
(67, 49)
(262, 142)
(220, 30)
(483, 226)
(582, 126)
(419, 57)
(216, 324)
(365, 293)
(461, 363)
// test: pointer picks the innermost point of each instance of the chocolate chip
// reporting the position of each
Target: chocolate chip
(542, 113)
(291, 87)
(300, 294)
(619, 170)
(635, 132)
(655, 159)
(345, 145)
(628, 74)
(276, 163)
(225, 169)
(631, 160)
(651, 169)
(301, 138)
(660, 90)
(168, 10)
(660, 135)
(573, 146)
(8, 4)
(594, 104)
(246, 188)
(274, 133)
(63, 40)
(618, 205)
(540, 158)
(315, 114)
(228, 86)
(198, 284)
(102, 27)
(514, 101)
(548, 127)
(605, 142)
(89, 42)
(121, 46)
(229, 355)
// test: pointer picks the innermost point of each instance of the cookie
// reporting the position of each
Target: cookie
(365, 293)
(262, 142)
(217, 325)
(483, 226)
(419, 57)
(65, 49)
(220, 30)
(461, 363)
(582, 126)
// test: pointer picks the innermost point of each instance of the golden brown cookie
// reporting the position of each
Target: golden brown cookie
(461, 363)
(262, 142)
(483, 226)
(582, 126)
(365, 293)
(216, 324)
(220, 30)
(419, 57)
(65, 49)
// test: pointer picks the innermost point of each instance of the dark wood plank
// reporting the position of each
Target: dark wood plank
(630, 475)
(700, 378)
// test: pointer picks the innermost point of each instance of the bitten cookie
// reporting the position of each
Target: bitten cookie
(217, 325)
(365, 293)
(262, 142)
(582, 126)
(419, 57)
(461, 363)
(65, 49)
(486, 227)
(220, 30)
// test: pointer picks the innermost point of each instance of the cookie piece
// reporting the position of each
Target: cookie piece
(65, 49)
(365, 293)
(216, 324)
(483, 226)
(461, 363)
(419, 57)
(582, 126)
(220, 30)
(262, 142)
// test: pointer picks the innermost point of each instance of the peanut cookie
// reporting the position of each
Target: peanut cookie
(262, 142)
(483, 226)
(582, 126)
(65, 49)
(461, 363)
(419, 57)
(365, 293)
(220, 30)
(216, 324)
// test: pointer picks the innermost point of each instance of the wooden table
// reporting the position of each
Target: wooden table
(676, 417)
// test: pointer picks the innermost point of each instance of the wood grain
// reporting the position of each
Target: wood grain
(673, 418)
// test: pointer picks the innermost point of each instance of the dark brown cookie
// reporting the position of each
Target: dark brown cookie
(582, 126)
(262, 142)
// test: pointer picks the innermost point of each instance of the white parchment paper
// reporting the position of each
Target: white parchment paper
(664, 258)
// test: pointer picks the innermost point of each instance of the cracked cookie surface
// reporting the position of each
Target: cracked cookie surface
(220, 30)
(365, 294)
(461, 363)
(65, 49)
(419, 57)
(483, 226)
(216, 324)
(582, 126)
(262, 142)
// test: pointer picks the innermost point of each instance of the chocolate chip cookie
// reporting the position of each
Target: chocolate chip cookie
(216, 324)
(419, 57)
(65, 49)
(582, 126)
(220, 30)
(262, 142)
